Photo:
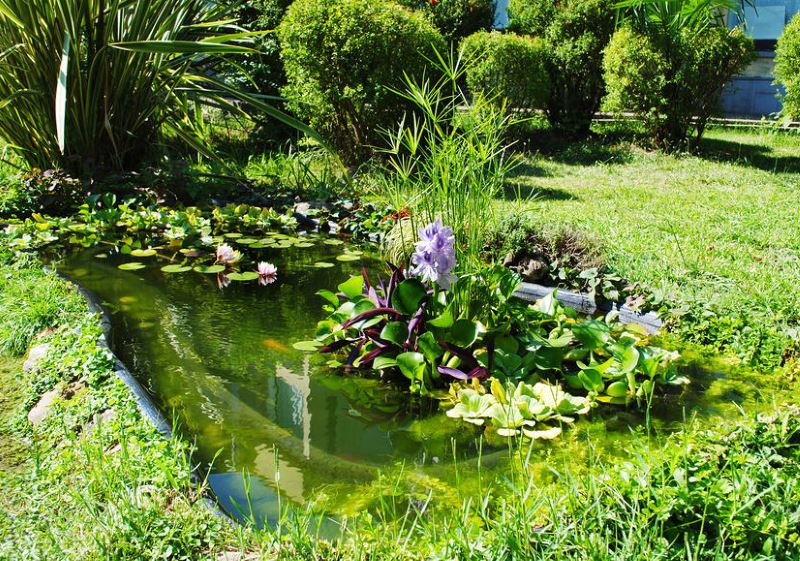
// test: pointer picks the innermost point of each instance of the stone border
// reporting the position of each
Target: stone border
(585, 304)
(145, 403)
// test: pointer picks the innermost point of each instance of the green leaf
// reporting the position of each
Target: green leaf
(210, 269)
(307, 346)
(443, 321)
(395, 332)
(429, 347)
(329, 296)
(382, 362)
(346, 257)
(61, 95)
(591, 379)
(244, 276)
(175, 268)
(353, 287)
(464, 333)
(323, 265)
(134, 266)
(408, 296)
(593, 334)
(143, 252)
(412, 365)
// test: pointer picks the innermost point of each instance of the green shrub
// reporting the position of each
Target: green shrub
(787, 68)
(342, 58)
(575, 32)
(509, 66)
(457, 19)
(673, 81)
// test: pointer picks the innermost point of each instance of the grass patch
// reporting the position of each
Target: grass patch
(715, 237)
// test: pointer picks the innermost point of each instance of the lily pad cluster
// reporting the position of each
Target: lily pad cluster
(533, 410)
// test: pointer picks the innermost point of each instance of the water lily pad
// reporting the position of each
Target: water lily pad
(232, 235)
(210, 269)
(191, 252)
(346, 257)
(323, 265)
(247, 241)
(304, 244)
(307, 346)
(333, 242)
(245, 276)
(143, 252)
(133, 266)
(176, 268)
(259, 245)
(101, 256)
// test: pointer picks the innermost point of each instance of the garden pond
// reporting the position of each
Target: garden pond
(274, 425)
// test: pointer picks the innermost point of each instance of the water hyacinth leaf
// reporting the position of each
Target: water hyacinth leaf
(443, 321)
(133, 266)
(395, 332)
(353, 287)
(243, 276)
(210, 269)
(175, 268)
(348, 257)
(307, 346)
(329, 296)
(591, 380)
(617, 389)
(143, 252)
(548, 358)
(412, 365)
(323, 265)
(408, 296)
(464, 333)
(383, 362)
(429, 347)
(593, 334)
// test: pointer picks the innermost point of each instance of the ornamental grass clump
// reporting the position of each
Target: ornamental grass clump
(448, 159)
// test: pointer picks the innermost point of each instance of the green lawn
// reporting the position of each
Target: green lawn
(717, 233)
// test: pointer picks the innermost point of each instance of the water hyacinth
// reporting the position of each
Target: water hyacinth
(267, 273)
(434, 257)
(226, 255)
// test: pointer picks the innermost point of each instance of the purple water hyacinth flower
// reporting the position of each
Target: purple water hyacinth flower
(435, 256)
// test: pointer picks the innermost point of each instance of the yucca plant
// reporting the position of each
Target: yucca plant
(87, 85)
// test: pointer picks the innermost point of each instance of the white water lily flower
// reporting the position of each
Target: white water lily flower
(227, 255)
(267, 273)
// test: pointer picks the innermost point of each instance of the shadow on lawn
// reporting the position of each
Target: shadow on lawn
(756, 156)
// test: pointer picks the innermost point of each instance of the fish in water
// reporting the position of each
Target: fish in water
(275, 345)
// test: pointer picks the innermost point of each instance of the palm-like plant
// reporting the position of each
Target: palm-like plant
(87, 84)
(674, 16)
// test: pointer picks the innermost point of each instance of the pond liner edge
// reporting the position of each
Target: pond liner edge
(586, 304)
(146, 405)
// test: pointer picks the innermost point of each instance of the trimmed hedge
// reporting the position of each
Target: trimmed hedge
(343, 57)
(575, 32)
(673, 82)
(509, 66)
(787, 68)
(456, 19)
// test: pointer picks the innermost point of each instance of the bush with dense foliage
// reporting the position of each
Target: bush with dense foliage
(787, 68)
(673, 81)
(457, 18)
(509, 66)
(342, 59)
(88, 85)
(575, 32)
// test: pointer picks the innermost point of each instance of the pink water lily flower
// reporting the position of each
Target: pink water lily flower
(227, 255)
(267, 273)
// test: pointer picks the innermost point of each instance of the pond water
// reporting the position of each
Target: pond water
(221, 362)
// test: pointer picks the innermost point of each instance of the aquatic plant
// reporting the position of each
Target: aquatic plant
(226, 255)
(435, 255)
(267, 273)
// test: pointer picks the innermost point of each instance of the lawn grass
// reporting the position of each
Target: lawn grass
(716, 235)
